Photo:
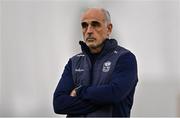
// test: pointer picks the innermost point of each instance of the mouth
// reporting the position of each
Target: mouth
(90, 39)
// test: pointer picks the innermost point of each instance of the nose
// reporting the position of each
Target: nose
(89, 29)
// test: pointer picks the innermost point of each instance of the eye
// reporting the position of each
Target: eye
(84, 25)
(95, 24)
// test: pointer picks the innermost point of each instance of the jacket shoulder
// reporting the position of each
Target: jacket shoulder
(121, 50)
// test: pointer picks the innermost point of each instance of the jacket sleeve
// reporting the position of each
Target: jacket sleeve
(124, 80)
(63, 103)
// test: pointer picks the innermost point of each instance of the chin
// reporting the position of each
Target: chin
(91, 45)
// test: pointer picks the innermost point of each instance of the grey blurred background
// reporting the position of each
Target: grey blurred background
(37, 37)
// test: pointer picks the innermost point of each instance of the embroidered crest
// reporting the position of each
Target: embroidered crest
(106, 66)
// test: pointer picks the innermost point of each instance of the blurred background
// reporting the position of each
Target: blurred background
(37, 37)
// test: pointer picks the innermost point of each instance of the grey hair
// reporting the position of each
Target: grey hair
(107, 15)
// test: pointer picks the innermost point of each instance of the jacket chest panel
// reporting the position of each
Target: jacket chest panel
(97, 74)
(102, 71)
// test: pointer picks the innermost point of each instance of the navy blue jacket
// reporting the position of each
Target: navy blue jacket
(116, 93)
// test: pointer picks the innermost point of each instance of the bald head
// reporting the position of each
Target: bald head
(100, 11)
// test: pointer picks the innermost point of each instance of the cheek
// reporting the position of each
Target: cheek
(102, 34)
(83, 33)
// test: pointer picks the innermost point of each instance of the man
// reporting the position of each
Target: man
(101, 80)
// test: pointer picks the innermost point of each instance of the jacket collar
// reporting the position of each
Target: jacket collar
(109, 45)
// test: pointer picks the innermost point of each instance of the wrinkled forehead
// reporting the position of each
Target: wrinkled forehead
(93, 15)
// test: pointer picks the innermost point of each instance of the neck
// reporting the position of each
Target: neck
(96, 50)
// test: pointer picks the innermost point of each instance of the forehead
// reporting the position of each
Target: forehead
(93, 15)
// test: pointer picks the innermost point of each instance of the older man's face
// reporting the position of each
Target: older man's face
(95, 29)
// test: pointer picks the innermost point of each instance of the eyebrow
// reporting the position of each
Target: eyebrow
(91, 22)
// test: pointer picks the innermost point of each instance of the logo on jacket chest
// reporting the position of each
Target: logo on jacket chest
(106, 66)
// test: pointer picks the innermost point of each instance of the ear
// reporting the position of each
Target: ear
(109, 28)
